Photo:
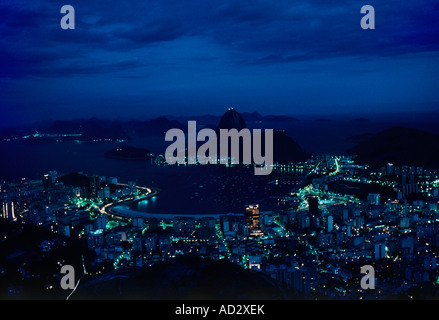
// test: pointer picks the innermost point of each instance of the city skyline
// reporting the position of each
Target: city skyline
(311, 246)
(311, 227)
(219, 150)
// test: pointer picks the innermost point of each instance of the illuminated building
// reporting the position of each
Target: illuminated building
(8, 211)
(255, 262)
(233, 225)
(183, 226)
(207, 229)
(113, 238)
(95, 239)
(112, 180)
(132, 186)
(252, 218)
(325, 239)
(151, 242)
(301, 281)
(407, 187)
(138, 222)
(303, 221)
(164, 243)
(380, 251)
(138, 243)
(49, 179)
(330, 223)
(95, 184)
(390, 168)
(101, 222)
(374, 198)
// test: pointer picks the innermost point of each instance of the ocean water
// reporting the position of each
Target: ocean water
(190, 189)
(184, 189)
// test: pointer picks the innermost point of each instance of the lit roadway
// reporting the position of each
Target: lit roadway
(147, 193)
(310, 190)
(337, 167)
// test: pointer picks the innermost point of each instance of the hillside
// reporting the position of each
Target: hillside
(185, 277)
(400, 146)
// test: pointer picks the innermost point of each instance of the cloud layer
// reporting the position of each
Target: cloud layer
(249, 32)
(212, 52)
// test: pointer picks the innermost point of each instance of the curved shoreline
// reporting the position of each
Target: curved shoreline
(124, 212)
(122, 209)
(109, 208)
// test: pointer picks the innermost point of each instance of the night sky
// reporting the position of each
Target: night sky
(147, 58)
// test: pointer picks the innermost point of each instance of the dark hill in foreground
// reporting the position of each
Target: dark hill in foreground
(185, 277)
(400, 146)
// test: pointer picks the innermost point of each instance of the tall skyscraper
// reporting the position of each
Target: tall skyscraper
(408, 187)
(390, 168)
(252, 218)
(330, 223)
(101, 222)
(95, 185)
(301, 281)
(380, 251)
(49, 179)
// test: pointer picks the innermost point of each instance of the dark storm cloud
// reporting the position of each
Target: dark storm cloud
(256, 32)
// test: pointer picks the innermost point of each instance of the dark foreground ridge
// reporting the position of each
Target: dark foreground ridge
(185, 277)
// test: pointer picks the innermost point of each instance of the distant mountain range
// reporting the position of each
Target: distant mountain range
(96, 129)
(99, 133)
(100, 130)
(400, 146)
(255, 116)
(285, 149)
(155, 127)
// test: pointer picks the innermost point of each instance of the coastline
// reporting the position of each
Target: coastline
(123, 209)
(126, 212)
